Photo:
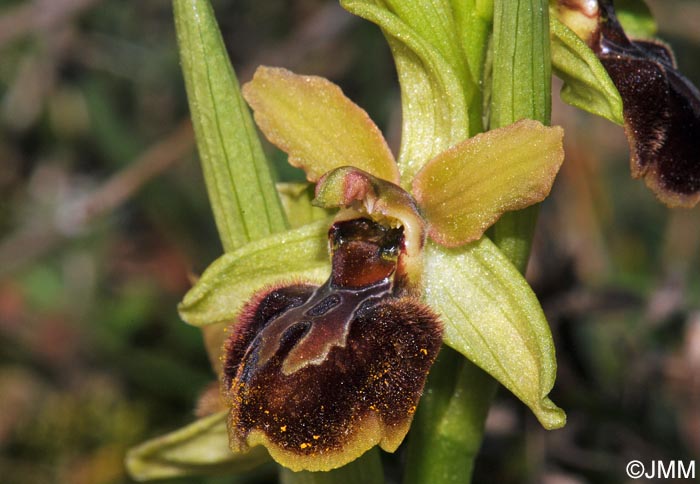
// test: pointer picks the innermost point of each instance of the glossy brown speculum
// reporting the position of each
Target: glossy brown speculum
(363, 252)
(321, 374)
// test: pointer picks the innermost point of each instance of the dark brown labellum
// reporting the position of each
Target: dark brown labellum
(661, 110)
(321, 374)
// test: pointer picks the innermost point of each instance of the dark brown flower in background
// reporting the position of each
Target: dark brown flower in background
(660, 106)
(321, 374)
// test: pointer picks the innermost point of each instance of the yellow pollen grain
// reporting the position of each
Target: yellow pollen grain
(424, 351)
(283, 428)
(304, 445)
(316, 437)
(412, 410)
(267, 412)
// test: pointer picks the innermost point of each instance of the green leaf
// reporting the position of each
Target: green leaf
(310, 119)
(436, 84)
(233, 278)
(587, 84)
(465, 189)
(493, 318)
(296, 199)
(197, 449)
(237, 175)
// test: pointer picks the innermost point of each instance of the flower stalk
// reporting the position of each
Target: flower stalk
(365, 470)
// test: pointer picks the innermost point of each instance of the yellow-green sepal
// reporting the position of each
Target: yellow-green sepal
(493, 318)
(197, 449)
(296, 199)
(310, 119)
(232, 279)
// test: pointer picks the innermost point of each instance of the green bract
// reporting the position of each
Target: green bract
(520, 49)
(436, 84)
(636, 18)
(587, 85)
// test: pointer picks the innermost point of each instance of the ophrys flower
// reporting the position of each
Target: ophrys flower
(320, 374)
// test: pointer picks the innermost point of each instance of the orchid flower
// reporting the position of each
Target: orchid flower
(322, 335)
(661, 107)
(320, 374)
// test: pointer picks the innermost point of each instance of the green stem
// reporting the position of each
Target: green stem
(449, 425)
(365, 470)
(513, 234)
(521, 89)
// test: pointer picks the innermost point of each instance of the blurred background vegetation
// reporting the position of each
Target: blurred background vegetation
(104, 218)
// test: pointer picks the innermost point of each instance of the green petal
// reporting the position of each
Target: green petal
(436, 85)
(465, 189)
(197, 449)
(237, 175)
(587, 84)
(310, 119)
(233, 278)
(493, 318)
